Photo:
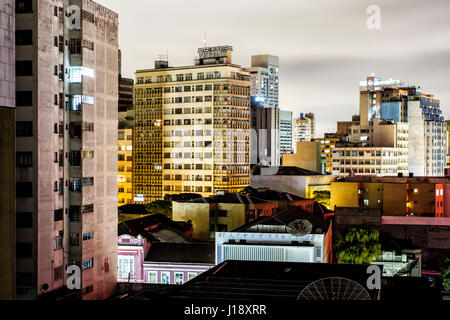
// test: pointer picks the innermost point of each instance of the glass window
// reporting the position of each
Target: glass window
(165, 277)
(152, 277)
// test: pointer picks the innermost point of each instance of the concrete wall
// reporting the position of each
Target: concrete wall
(198, 213)
(307, 156)
(416, 139)
(394, 199)
(344, 194)
(7, 149)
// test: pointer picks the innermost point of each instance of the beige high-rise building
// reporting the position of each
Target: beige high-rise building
(304, 128)
(66, 146)
(192, 127)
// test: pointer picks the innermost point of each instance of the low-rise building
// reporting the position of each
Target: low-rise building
(291, 179)
(293, 235)
(135, 238)
(177, 263)
(395, 196)
(379, 161)
(221, 212)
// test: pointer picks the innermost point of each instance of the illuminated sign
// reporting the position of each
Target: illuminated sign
(214, 52)
(121, 178)
(139, 198)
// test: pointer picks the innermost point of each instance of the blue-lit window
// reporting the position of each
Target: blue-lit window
(77, 73)
(77, 101)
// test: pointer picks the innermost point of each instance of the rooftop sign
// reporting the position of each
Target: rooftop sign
(214, 52)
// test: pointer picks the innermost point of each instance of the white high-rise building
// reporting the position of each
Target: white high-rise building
(265, 136)
(286, 129)
(264, 77)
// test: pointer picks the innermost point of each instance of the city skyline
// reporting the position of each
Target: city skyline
(325, 49)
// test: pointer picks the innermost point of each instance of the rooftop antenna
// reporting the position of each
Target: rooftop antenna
(204, 40)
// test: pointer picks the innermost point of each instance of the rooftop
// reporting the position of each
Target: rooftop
(281, 222)
(155, 228)
(229, 198)
(283, 171)
(250, 280)
(182, 252)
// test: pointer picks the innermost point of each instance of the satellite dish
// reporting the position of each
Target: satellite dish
(300, 227)
(333, 288)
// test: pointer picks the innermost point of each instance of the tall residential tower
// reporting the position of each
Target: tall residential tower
(66, 146)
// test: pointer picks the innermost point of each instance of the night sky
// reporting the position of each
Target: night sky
(325, 47)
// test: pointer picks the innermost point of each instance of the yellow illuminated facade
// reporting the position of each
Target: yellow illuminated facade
(327, 147)
(192, 127)
(125, 164)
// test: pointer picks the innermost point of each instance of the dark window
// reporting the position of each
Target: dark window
(75, 46)
(74, 213)
(75, 158)
(58, 273)
(24, 220)
(24, 249)
(88, 236)
(24, 279)
(59, 215)
(24, 159)
(24, 129)
(24, 189)
(24, 37)
(24, 6)
(24, 98)
(87, 208)
(222, 213)
(24, 68)
(222, 227)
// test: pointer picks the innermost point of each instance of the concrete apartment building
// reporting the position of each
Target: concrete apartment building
(7, 148)
(66, 142)
(304, 128)
(192, 127)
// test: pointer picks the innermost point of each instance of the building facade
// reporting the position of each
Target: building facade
(286, 132)
(276, 238)
(264, 74)
(66, 179)
(308, 155)
(7, 148)
(395, 196)
(327, 146)
(265, 135)
(125, 139)
(304, 128)
(192, 127)
(265, 113)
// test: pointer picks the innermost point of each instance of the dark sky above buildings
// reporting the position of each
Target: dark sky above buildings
(325, 47)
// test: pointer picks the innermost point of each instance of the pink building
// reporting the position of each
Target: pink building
(140, 261)
(155, 249)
